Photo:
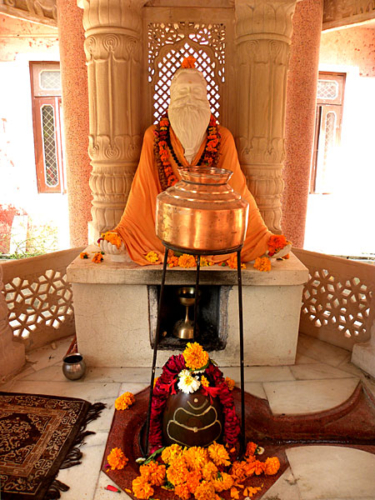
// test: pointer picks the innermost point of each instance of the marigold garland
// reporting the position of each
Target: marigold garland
(162, 145)
(230, 383)
(117, 459)
(124, 401)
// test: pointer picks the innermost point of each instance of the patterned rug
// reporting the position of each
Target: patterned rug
(38, 436)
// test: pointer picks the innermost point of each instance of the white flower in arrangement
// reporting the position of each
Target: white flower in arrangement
(187, 383)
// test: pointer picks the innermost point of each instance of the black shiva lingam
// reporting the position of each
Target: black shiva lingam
(201, 215)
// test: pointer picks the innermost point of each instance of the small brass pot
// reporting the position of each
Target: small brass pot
(74, 366)
(202, 212)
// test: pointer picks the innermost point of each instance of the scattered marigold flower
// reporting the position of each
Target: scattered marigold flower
(225, 482)
(193, 480)
(230, 383)
(127, 490)
(188, 62)
(262, 264)
(182, 491)
(84, 255)
(209, 471)
(98, 258)
(251, 449)
(186, 261)
(142, 489)
(125, 401)
(195, 356)
(196, 457)
(234, 493)
(204, 381)
(153, 473)
(170, 453)
(117, 459)
(173, 261)
(232, 262)
(250, 491)
(218, 454)
(177, 472)
(205, 262)
(272, 466)
(259, 467)
(152, 257)
(205, 491)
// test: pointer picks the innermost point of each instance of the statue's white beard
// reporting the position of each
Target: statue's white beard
(189, 122)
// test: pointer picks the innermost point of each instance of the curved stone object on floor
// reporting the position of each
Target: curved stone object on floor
(333, 472)
(308, 396)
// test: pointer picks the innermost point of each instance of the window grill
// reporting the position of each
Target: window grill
(49, 146)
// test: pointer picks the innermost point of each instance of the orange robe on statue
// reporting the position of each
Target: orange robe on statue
(137, 225)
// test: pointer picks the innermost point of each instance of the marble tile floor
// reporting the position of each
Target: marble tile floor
(322, 378)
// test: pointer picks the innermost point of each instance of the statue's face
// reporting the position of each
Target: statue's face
(189, 90)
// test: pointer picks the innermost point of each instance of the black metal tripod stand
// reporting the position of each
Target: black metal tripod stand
(240, 313)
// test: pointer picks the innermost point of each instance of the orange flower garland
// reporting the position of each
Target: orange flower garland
(162, 146)
(230, 383)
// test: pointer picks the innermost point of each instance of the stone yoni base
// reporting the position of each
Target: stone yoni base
(111, 304)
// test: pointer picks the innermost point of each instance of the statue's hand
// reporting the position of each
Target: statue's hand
(281, 253)
(115, 252)
(278, 246)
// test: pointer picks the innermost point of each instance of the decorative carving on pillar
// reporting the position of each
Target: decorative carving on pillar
(263, 37)
(113, 53)
(340, 13)
(37, 11)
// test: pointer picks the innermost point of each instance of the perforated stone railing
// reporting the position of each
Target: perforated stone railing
(338, 300)
(39, 297)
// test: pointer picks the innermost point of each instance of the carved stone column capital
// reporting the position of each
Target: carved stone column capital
(113, 53)
(263, 37)
(264, 18)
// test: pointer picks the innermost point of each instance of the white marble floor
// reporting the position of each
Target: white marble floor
(322, 378)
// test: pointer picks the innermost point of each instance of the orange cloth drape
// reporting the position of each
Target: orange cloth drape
(137, 225)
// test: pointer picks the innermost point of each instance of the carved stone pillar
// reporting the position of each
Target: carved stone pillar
(12, 354)
(113, 52)
(263, 37)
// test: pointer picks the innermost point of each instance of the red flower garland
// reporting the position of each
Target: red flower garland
(210, 158)
(166, 384)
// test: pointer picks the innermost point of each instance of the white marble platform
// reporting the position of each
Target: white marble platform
(112, 314)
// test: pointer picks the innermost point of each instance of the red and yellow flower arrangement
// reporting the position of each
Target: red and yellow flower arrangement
(179, 373)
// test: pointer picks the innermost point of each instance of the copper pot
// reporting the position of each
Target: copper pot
(202, 212)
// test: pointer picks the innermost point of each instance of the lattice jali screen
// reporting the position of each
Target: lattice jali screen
(338, 299)
(39, 297)
(44, 300)
(169, 43)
